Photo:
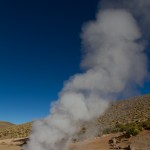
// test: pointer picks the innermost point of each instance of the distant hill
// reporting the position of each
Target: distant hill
(4, 124)
(126, 121)
(15, 131)
(136, 109)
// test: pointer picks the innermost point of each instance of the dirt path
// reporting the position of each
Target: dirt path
(141, 141)
(99, 143)
(6, 147)
(11, 144)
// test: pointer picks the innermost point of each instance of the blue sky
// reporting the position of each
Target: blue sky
(40, 48)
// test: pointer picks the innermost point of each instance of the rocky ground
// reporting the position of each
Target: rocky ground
(12, 144)
(139, 142)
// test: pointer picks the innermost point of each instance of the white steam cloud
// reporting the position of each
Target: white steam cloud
(140, 9)
(114, 60)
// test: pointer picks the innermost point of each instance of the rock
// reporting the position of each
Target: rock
(130, 147)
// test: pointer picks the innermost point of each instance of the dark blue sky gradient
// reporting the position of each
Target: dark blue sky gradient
(40, 48)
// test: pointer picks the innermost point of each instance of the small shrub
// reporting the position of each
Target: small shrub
(130, 129)
(107, 131)
(146, 125)
(83, 130)
(111, 130)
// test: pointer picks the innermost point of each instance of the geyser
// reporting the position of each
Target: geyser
(114, 60)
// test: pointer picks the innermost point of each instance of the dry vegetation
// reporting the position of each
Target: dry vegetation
(126, 111)
(15, 131)
(131, 112)
(128, 121)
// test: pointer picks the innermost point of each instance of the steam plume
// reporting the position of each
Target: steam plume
(140, 9)
(113, 61)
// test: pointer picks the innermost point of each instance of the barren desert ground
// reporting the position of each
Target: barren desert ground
(6, 147)
(141, 141)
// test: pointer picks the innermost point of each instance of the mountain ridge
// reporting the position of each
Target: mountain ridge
(4, 124)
